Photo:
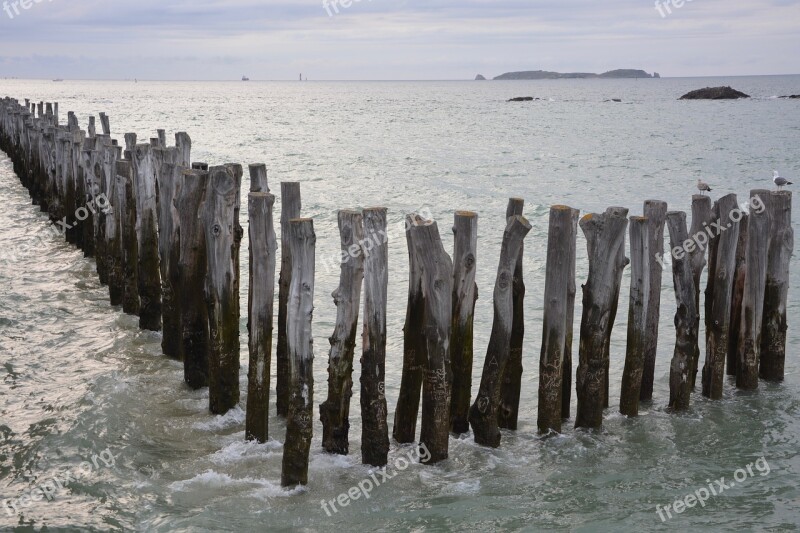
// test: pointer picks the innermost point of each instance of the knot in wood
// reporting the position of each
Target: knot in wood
(505, 278)
(216, 230)
(469, 261)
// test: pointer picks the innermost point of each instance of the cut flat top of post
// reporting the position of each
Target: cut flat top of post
(301, 220)
(466, 213)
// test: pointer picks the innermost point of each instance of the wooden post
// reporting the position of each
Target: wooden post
(754, 290)
(130, 145)
(116, 280)
(722, 268)
(162, 138)
(702, 216)
(508, 414)
(335, 411)
(605, 236)
(655, 211)
(126, 201)
(465, 293)
(104, 123)
(169, 182)
(147, 237)
(375, 430)
(572, 290)
(483, 413)
(263, 247)
(738, 296)
(554, 334)
(222, 283)
(414, 349)
(637, 317)
(258, 178)
(290, 209)
(183, 143)
(773, 333)
(299, 423)
(686, 322)
(437, 294)
(192, 268)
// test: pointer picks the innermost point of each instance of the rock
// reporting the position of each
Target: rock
(656, 75)
(522, 99)
(791, 96)
(480, 77)
(714, 93)
(616, 100)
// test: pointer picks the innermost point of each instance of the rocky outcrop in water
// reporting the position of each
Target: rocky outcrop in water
(522, 99)
(714, 93)
(480, 77)
(547, 75)
(791, 96)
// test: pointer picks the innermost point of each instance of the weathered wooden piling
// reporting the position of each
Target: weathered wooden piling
(637, 317)
(572, 290)
(414, 349)
(105, 124)
(702, 216)
(754, 290)
(258, 178)
(129, 246)
(465, 293)
(130, 145)
(483, 413)
(183, 145)
(199, 166)
(508, 414)
(147, 237)
(169, 183)
(335, 410)
(437, 295)
(222, 296)
(554, 334)
(290, 209)
(116, 279)
(261, 296)
(192, 269)
(655, 211)
(605, 236)
(737, 297)
(773, 333)
(721, 272)
(686, 322)
(299, 423)
(375, 430)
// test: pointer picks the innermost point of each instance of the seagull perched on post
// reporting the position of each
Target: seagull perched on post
(779, 181)
(702, 186)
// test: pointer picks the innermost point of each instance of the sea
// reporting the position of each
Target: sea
(92, 412)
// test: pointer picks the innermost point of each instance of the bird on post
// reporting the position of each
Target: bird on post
(779, 181)
(702, 186)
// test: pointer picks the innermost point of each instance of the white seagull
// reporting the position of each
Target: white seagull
(702, 186)
(779, 181)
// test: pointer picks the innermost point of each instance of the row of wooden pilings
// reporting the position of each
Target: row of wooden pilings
(167, 246)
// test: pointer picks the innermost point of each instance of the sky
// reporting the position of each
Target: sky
(393, 39)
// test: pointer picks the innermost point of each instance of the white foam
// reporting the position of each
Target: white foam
(231, 419)
(241, 450)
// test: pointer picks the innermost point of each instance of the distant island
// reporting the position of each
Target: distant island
(546, 75)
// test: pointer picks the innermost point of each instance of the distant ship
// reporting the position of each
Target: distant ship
(59, 79)
(245, 78)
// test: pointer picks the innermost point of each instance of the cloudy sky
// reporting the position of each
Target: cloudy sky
(393, 39)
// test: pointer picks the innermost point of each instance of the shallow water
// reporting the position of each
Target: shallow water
(80, 378)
